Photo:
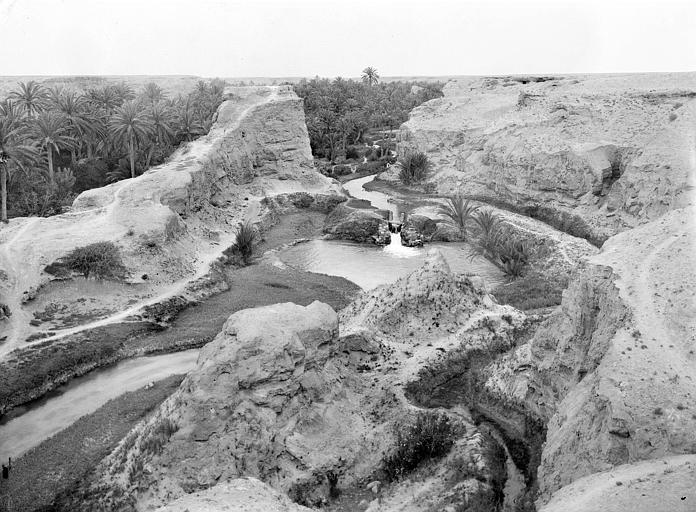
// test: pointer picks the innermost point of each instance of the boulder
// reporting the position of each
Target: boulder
(363, 226)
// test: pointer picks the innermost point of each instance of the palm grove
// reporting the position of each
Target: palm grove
(57, 141)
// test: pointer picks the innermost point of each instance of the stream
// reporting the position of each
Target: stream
(27, 426)
(370, 266)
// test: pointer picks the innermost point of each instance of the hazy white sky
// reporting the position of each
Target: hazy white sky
(339, 38)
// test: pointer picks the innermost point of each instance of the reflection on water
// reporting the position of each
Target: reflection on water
(370, 266)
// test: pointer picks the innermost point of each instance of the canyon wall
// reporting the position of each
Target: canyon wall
(613, 372)
(171, 221)
(597, 154)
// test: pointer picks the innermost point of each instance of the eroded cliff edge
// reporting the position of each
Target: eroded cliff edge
(592, 154)
(170, 223)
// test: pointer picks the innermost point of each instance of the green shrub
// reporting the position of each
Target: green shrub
(532, 291)
(372, 166)
(352, 152)
(243, 247)
(100, 259)
(341, 170)
(414, 167)
(429, 436)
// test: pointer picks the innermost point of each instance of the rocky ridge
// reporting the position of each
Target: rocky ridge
(173, 220)
(591, 154)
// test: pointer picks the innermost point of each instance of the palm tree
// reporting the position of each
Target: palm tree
(162, 131)
(10, 109)
(370, 76)
(52, 132)
(131, 125)
(12, 152)
(188, 127)
(31, 96)
(458, 213)
(153, 93)
(72, 106)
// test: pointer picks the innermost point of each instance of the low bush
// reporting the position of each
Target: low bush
(414, 167)
(243, 247)
(458, 213)
(532, 291)
(100, 260)
(341, 170)
(429, 436)
(352, 153)
(372, 166)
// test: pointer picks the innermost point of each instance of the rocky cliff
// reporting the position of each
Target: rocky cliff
(593, 154)
(170, 222)
(612, 373)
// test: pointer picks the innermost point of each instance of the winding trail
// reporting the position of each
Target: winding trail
(192, 154)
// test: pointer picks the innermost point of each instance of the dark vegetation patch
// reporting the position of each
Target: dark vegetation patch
(342, 115)
(58, 464)
(413, 167)
(561, 220)
(101, 260)
(428, 436)
(534, 290)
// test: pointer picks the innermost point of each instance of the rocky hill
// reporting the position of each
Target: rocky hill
(592, 154)
(169, 223)
(281, 396)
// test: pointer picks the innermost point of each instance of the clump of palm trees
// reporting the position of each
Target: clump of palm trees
(50, 137)
(491, 237)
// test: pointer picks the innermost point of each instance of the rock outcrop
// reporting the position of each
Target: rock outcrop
(241, 495)
(282, 396)
(593, 155)
(173, 220)
(612, 372)
(357, 225)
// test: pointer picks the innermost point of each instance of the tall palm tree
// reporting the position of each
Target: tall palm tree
(73, 107)
(162, 129)
(188, 126)
(52, 132)
(131, 125)
(104, 98)
(31, 96)
(10, 109)
(12, 152)
(153, 93)
(458, 213)
(370, 76)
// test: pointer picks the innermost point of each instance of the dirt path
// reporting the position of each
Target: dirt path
(18, 324)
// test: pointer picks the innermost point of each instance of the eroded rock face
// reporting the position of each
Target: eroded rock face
(267, 400)
(594, 154)
(613, 370)
(363, 226)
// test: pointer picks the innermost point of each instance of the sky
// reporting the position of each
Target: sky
(276, 38)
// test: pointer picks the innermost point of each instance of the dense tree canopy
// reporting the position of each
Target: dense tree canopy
(57, 142)
(340, 112)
